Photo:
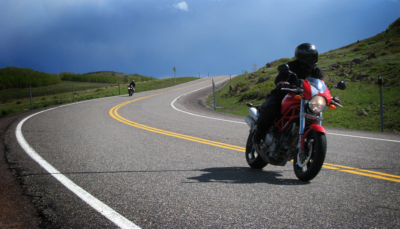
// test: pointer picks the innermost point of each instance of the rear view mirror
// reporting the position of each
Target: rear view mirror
(284, 68)
(341, 85)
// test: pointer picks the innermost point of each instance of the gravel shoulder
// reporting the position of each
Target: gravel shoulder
(16, 208)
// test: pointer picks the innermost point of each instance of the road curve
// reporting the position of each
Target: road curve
(157, 166)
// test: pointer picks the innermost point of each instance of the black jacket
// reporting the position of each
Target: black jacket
(133, 84)
(302, 73)
(295, 66)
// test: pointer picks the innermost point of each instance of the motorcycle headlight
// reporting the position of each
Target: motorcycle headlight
(317, 104)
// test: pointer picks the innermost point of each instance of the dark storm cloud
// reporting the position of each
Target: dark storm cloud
(151, 37)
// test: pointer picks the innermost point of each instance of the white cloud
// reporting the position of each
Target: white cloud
(182, 6)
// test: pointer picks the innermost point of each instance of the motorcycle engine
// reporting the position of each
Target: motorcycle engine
(277, 145)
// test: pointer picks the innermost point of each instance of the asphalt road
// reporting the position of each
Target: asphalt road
(144, 162)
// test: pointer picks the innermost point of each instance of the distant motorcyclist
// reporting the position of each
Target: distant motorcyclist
(131, 89)
(133, 84)
(304, 66)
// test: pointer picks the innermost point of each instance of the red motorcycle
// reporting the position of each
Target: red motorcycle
(298, 134)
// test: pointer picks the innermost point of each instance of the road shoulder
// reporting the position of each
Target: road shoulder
(16, 208)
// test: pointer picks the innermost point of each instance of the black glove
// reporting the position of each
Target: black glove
(283, 85)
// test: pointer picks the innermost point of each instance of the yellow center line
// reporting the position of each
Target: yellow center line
(114, 113)
(384, 176)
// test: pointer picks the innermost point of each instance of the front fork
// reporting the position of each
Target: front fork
(302, 128)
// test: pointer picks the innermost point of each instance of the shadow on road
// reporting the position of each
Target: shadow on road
(233, 175)
(244, 175)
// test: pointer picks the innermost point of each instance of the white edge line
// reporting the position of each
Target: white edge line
(99, 206)
(227, 120)
(378, 139)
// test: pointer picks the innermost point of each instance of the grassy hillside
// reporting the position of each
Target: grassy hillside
(12, 77)
(358, 64)
(105, 77)
(13, 101)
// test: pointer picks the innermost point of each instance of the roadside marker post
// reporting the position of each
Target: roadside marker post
(380, 92)
(214, 94)
(174, 69)
(30, 95)
(73, 93)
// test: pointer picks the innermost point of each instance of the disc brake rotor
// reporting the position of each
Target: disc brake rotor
(304, 158)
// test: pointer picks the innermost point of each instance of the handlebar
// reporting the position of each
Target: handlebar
(337, 104)
(295, 90)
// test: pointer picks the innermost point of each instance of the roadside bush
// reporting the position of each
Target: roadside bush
(89, 78)
(12, 77)
(394, 49)
(358, 48)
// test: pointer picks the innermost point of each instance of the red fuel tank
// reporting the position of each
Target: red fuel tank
(288, 101)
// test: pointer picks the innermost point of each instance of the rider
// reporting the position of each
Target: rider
(304, 66)
(133, 84)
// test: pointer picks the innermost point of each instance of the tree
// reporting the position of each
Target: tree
(255, 67)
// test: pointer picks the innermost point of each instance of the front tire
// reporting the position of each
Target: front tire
(307, 166)
(252, 157)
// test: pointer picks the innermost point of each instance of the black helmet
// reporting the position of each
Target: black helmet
(307, 54)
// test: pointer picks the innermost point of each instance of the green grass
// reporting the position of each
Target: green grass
(64, 86)
(105, 76)
(362, 93)
(17, 100)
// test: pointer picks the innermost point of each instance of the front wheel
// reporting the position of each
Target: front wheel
(307, 164)
(252, 157)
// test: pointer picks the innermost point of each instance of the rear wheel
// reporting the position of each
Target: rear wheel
(252, 157)
(307, 165)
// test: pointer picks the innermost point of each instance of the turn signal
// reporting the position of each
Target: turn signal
(298, 97)
(332, 107)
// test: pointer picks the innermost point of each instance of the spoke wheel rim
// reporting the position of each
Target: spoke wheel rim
(252, 155)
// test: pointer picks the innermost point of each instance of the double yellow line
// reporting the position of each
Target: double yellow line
(114, 113)
(363, 172)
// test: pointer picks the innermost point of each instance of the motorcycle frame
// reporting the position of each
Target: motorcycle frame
(290, 115)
